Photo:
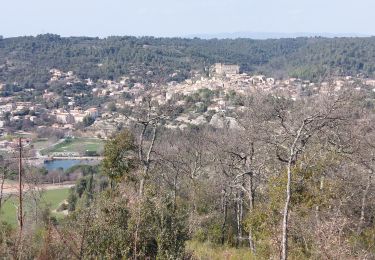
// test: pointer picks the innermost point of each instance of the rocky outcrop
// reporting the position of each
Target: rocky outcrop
(219, 120)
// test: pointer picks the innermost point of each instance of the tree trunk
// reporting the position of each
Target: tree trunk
(242, 195)
(141, 186)
(2, 188)
(251, 209)
(363, 204)
(238, 221)
(225, 213)
(145, 160)
(175, 192)
(317, 207)
(292, 155)
(284, 245)
(239, 212)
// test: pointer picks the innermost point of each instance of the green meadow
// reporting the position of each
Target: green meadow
(50, 198)
(76, 145)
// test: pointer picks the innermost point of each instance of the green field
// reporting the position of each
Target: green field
(76, 145)
(52, 198)
(41, 143)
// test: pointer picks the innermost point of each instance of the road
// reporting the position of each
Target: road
(12, 188)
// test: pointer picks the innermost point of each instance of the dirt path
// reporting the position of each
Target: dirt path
(12, 188)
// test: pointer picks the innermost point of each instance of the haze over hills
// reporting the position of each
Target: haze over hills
(272, 35)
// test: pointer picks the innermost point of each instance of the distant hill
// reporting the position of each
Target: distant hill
(27, 60)
(272, 35)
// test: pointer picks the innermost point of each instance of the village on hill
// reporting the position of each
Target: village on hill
(84, 108)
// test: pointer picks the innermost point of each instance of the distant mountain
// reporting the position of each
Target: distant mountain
(272, 35)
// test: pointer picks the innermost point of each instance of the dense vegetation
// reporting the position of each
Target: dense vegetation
(27, 60)
(294, 180)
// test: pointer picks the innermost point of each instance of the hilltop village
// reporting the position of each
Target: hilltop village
(83, 107)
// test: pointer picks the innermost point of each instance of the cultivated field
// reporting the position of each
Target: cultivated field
(78, 146)
(50, 198)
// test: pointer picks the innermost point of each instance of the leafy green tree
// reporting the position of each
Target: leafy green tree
(172, 233)
(112, 107)
(119, 157)
(88, 120)
(72, 200)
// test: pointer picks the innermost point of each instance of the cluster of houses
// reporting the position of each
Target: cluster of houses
(223, 79)
(58, 75)
(226, 78)
(74, 116)
(16, 111)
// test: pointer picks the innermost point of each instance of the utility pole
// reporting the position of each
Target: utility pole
(20, 216)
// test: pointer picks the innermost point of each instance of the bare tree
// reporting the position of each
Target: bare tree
(299, 123)
(364, 157)
(148, 117)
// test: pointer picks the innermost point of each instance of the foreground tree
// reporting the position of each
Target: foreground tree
(298, 125)
(119, 157)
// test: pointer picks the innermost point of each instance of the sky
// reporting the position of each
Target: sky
(179, 18)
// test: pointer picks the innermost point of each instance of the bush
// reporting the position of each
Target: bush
(91, 153)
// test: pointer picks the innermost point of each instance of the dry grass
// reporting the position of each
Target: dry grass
(207, 251)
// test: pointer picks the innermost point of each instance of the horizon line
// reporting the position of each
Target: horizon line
(208, 36)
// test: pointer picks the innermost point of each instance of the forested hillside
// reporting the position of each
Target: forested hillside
(27, 60)
(295, 181)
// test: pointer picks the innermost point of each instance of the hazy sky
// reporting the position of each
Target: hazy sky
(184, 17)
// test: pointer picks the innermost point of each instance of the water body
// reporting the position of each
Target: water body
(66, 164)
